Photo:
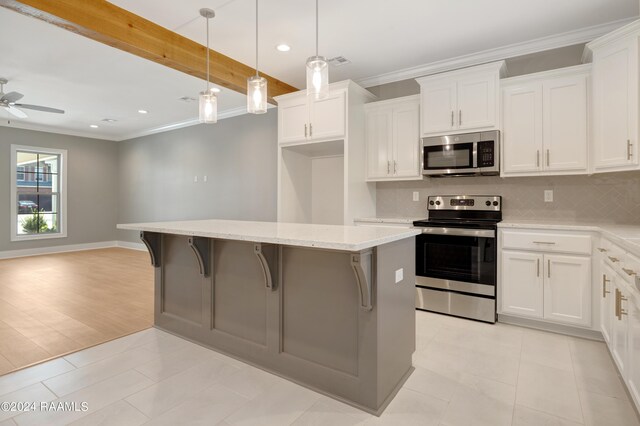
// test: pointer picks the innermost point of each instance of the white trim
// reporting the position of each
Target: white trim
(62, 191)
(10, 254)
(510, 51)
(131, 246)
(234, 112)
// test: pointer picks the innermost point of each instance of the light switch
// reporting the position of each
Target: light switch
(204, 178)
(416, 196)
(548, 195)
(399, 275)
(195, 179)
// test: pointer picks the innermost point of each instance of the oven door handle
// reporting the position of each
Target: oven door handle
(461, 232)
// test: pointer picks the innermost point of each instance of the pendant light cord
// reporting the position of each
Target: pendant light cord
(257, 74)
(316, 27)
(208, 55)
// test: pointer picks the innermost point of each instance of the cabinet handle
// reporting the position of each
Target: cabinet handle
(604, 285)
(547, 158)
(538, 268)
(629, 145)
(395, 167)
(602, 250)
(617, 305)
(548, 268)
(305, 130)
(310, 130)
(613, 259)
(544, 242)
(629, 272)
(451, 118)
(538, 158)
(459, 117)
(388, 167)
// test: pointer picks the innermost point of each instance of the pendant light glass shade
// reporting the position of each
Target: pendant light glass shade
(317, 77)
(208, 107)
(256, 95)
(208, 103)
(256, 85)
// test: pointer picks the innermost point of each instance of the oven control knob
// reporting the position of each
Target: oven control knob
(431, 203)
(437, 203)
(488, 203)
(495, 203)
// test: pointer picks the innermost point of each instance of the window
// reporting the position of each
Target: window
(38, 192)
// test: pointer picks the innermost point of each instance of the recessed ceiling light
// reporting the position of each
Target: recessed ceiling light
(187, 99)
(143, 111)
(215, 90)
(109, 120)
(283, 47)
(93, 126)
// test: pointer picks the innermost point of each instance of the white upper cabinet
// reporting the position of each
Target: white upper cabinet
(461, 101)
(615, 99)
(302, 119)
(545, 126)
(393, 139)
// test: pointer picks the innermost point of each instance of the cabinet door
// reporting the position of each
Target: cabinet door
(619, 346)
(522, 283)
(379, 135)
(633, 374)
(615, 85)
(605, 290)
(477, 102)
(328, 117)
(406, 140)
(567, 289)
(438, 100)
(522, 136)
(564, 109)
(293, 120)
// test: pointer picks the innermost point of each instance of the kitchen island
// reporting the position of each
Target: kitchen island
(330, 307)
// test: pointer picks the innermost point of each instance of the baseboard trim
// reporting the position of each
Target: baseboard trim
(548, 326)
(10, 254)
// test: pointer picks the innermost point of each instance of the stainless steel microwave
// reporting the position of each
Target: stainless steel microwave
(466, 154)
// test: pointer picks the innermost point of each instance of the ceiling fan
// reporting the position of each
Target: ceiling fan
(8, 102)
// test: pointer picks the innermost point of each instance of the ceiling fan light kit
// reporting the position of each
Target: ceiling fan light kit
(317, 71)
(256, 85)
(208, 105)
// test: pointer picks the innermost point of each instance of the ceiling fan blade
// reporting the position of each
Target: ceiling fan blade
(40, 108)
(15, 111)
(12, 97)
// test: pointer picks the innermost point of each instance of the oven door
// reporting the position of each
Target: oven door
(457, 259)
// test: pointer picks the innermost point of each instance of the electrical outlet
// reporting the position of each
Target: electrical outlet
(204, 178)
(416, 196)
(399, 275)
(548, 195)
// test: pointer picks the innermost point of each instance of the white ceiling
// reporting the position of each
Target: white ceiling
(92, 81)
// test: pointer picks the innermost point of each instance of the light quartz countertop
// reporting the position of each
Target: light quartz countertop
(627, 236)
(334, 237)
(390, 220)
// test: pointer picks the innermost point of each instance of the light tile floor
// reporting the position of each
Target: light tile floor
(467, 373)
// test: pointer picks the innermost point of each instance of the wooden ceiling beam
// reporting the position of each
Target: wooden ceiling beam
(109, 24)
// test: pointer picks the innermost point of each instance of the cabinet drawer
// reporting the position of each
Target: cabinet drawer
(630, 269)
(565, 243)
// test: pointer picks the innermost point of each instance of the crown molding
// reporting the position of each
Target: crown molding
(569, 38)
(57, 130)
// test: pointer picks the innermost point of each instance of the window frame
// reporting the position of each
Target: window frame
(62, 208)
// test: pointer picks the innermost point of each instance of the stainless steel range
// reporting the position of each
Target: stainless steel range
(456, 256)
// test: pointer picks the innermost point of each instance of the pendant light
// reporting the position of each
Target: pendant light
(256, 85)
(208, 99)
(317, 71)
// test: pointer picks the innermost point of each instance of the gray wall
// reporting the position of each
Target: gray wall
(91, 187)
(238, 155)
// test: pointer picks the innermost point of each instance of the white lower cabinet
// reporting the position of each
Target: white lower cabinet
(523, 295)
(633, 374)
(606, 283)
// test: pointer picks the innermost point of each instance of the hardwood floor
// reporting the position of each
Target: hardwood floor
(51, 305)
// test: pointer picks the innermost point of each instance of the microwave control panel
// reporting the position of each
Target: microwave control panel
(485, 154)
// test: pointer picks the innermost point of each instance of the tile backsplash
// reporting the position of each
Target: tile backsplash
(611, 197)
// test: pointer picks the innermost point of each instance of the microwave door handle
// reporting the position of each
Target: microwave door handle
(475, 155)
